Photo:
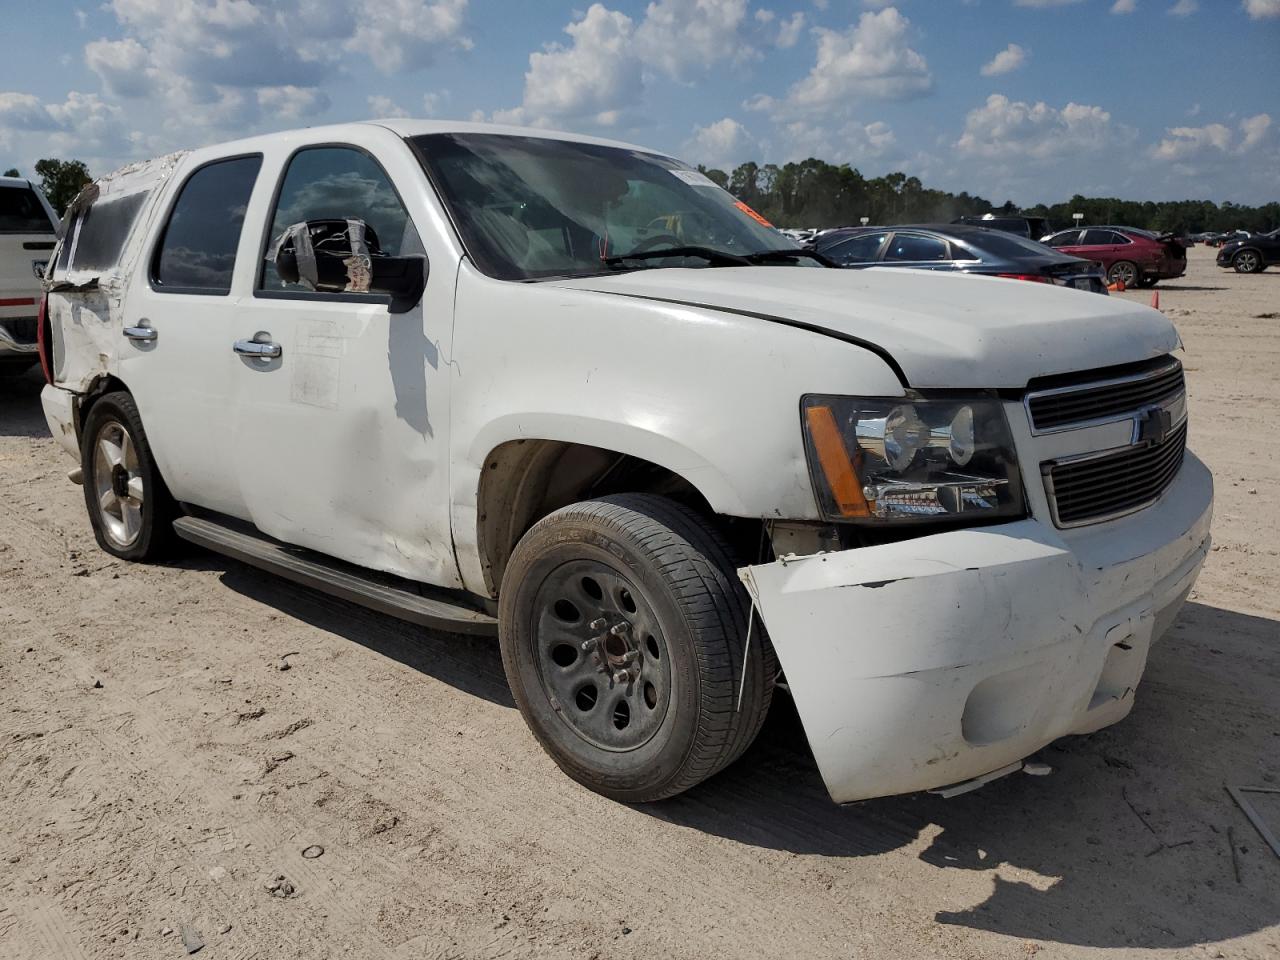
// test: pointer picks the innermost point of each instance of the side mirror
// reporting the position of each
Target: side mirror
(344, 256)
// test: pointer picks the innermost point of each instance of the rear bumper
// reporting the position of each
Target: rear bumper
(60, 413)
(934, 661)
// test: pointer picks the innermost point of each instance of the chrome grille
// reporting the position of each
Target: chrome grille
(1097, 487)
(1067, 406)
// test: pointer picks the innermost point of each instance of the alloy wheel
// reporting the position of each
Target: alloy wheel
(1246, 262)
(117, 484)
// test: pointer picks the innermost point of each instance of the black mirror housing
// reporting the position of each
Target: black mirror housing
(344, 256)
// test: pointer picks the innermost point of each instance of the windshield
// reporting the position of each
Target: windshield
(532, 208)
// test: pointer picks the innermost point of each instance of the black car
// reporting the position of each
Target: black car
(1251, 254)
(1033, 228)
(962, 249)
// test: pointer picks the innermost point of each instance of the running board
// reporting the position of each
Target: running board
(335, 578)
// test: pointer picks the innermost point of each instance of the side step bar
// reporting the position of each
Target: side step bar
(337, 579)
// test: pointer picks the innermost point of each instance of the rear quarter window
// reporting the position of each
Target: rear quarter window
(97, 233)
(22, 212)
(197, 252)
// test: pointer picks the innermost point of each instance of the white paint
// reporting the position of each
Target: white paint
(883, 647)
(366, 440)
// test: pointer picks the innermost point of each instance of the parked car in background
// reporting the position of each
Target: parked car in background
(1137, 258)
(1033, 228)
(959, 249)
(1251, 254)
(28, 230)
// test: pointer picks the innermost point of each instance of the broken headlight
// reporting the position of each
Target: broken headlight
(911, 459)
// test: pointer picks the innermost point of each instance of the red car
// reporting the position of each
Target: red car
(1139, 258)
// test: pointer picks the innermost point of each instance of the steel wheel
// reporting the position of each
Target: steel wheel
(1246, 261)
(118, 484)
(601, 655)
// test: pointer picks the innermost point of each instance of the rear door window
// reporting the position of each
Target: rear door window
(22, 212)
(914, 248)
(197, 252)
(1099, 238)
(1067, 239)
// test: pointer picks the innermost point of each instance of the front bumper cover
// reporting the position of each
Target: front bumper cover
(934, 661)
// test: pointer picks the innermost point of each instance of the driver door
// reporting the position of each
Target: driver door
(341, 438)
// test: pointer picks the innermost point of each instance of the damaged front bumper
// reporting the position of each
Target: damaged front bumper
(942, 659)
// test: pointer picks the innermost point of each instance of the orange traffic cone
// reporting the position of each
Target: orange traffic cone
(1155, 299)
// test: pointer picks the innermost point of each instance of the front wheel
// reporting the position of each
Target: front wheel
(623, 630)
(1247, 261)
(129, 506)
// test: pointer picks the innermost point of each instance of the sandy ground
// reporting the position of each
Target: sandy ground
(159, 769)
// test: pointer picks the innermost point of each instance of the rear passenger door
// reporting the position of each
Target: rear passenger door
(177, 326)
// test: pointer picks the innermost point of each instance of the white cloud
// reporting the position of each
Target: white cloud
(408, 33)
(290, 102)
(592, 78)
(724, 143)
(1043, 3)
(1006, 61)
(1004, 129)
(851, 142)
(1194, 144)
(24, 112)
(600, 75)
(381, 106)
(678, 37)
(1258, 9)
(1184, 8)
(789, 31)
(1124, 6)
(83, 123)
(871, 59)
(121, 65)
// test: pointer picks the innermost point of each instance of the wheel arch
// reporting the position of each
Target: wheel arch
(522, 480)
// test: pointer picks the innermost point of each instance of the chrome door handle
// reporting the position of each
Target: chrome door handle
(142, 333)
(260, 347)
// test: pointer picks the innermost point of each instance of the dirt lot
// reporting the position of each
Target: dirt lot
(158, 767)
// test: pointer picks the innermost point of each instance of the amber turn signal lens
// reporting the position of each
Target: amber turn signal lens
(833, 457)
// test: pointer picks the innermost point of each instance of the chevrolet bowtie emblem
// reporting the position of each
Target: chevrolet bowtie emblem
(1151, 426)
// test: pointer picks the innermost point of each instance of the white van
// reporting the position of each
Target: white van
(28, 228)
(569, 391)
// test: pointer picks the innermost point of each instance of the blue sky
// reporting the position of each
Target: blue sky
(1013, 99)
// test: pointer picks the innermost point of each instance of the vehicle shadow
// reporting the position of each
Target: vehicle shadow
(1125, 844)
(20, 413)
(470, 664)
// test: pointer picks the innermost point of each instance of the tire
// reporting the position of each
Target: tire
(1247, 261)
(661, 574)
(129, 506)
(1125, 271)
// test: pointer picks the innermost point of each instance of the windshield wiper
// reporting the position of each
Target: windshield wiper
(717, 258)
(788, 253)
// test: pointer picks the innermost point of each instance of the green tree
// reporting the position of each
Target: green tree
(61, 180)
(12, 172)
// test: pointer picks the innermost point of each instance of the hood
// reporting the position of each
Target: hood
(940, 329)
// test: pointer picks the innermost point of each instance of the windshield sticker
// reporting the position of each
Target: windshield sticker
(752, 214)
(693, 178)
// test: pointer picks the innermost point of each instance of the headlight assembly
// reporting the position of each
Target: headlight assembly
(879, 460)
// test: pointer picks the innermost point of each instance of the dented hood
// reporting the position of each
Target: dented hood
(941, 330)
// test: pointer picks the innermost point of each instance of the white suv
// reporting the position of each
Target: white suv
(28, 228)
(569, 391)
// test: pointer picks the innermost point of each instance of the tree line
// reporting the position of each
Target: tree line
(814, 193)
